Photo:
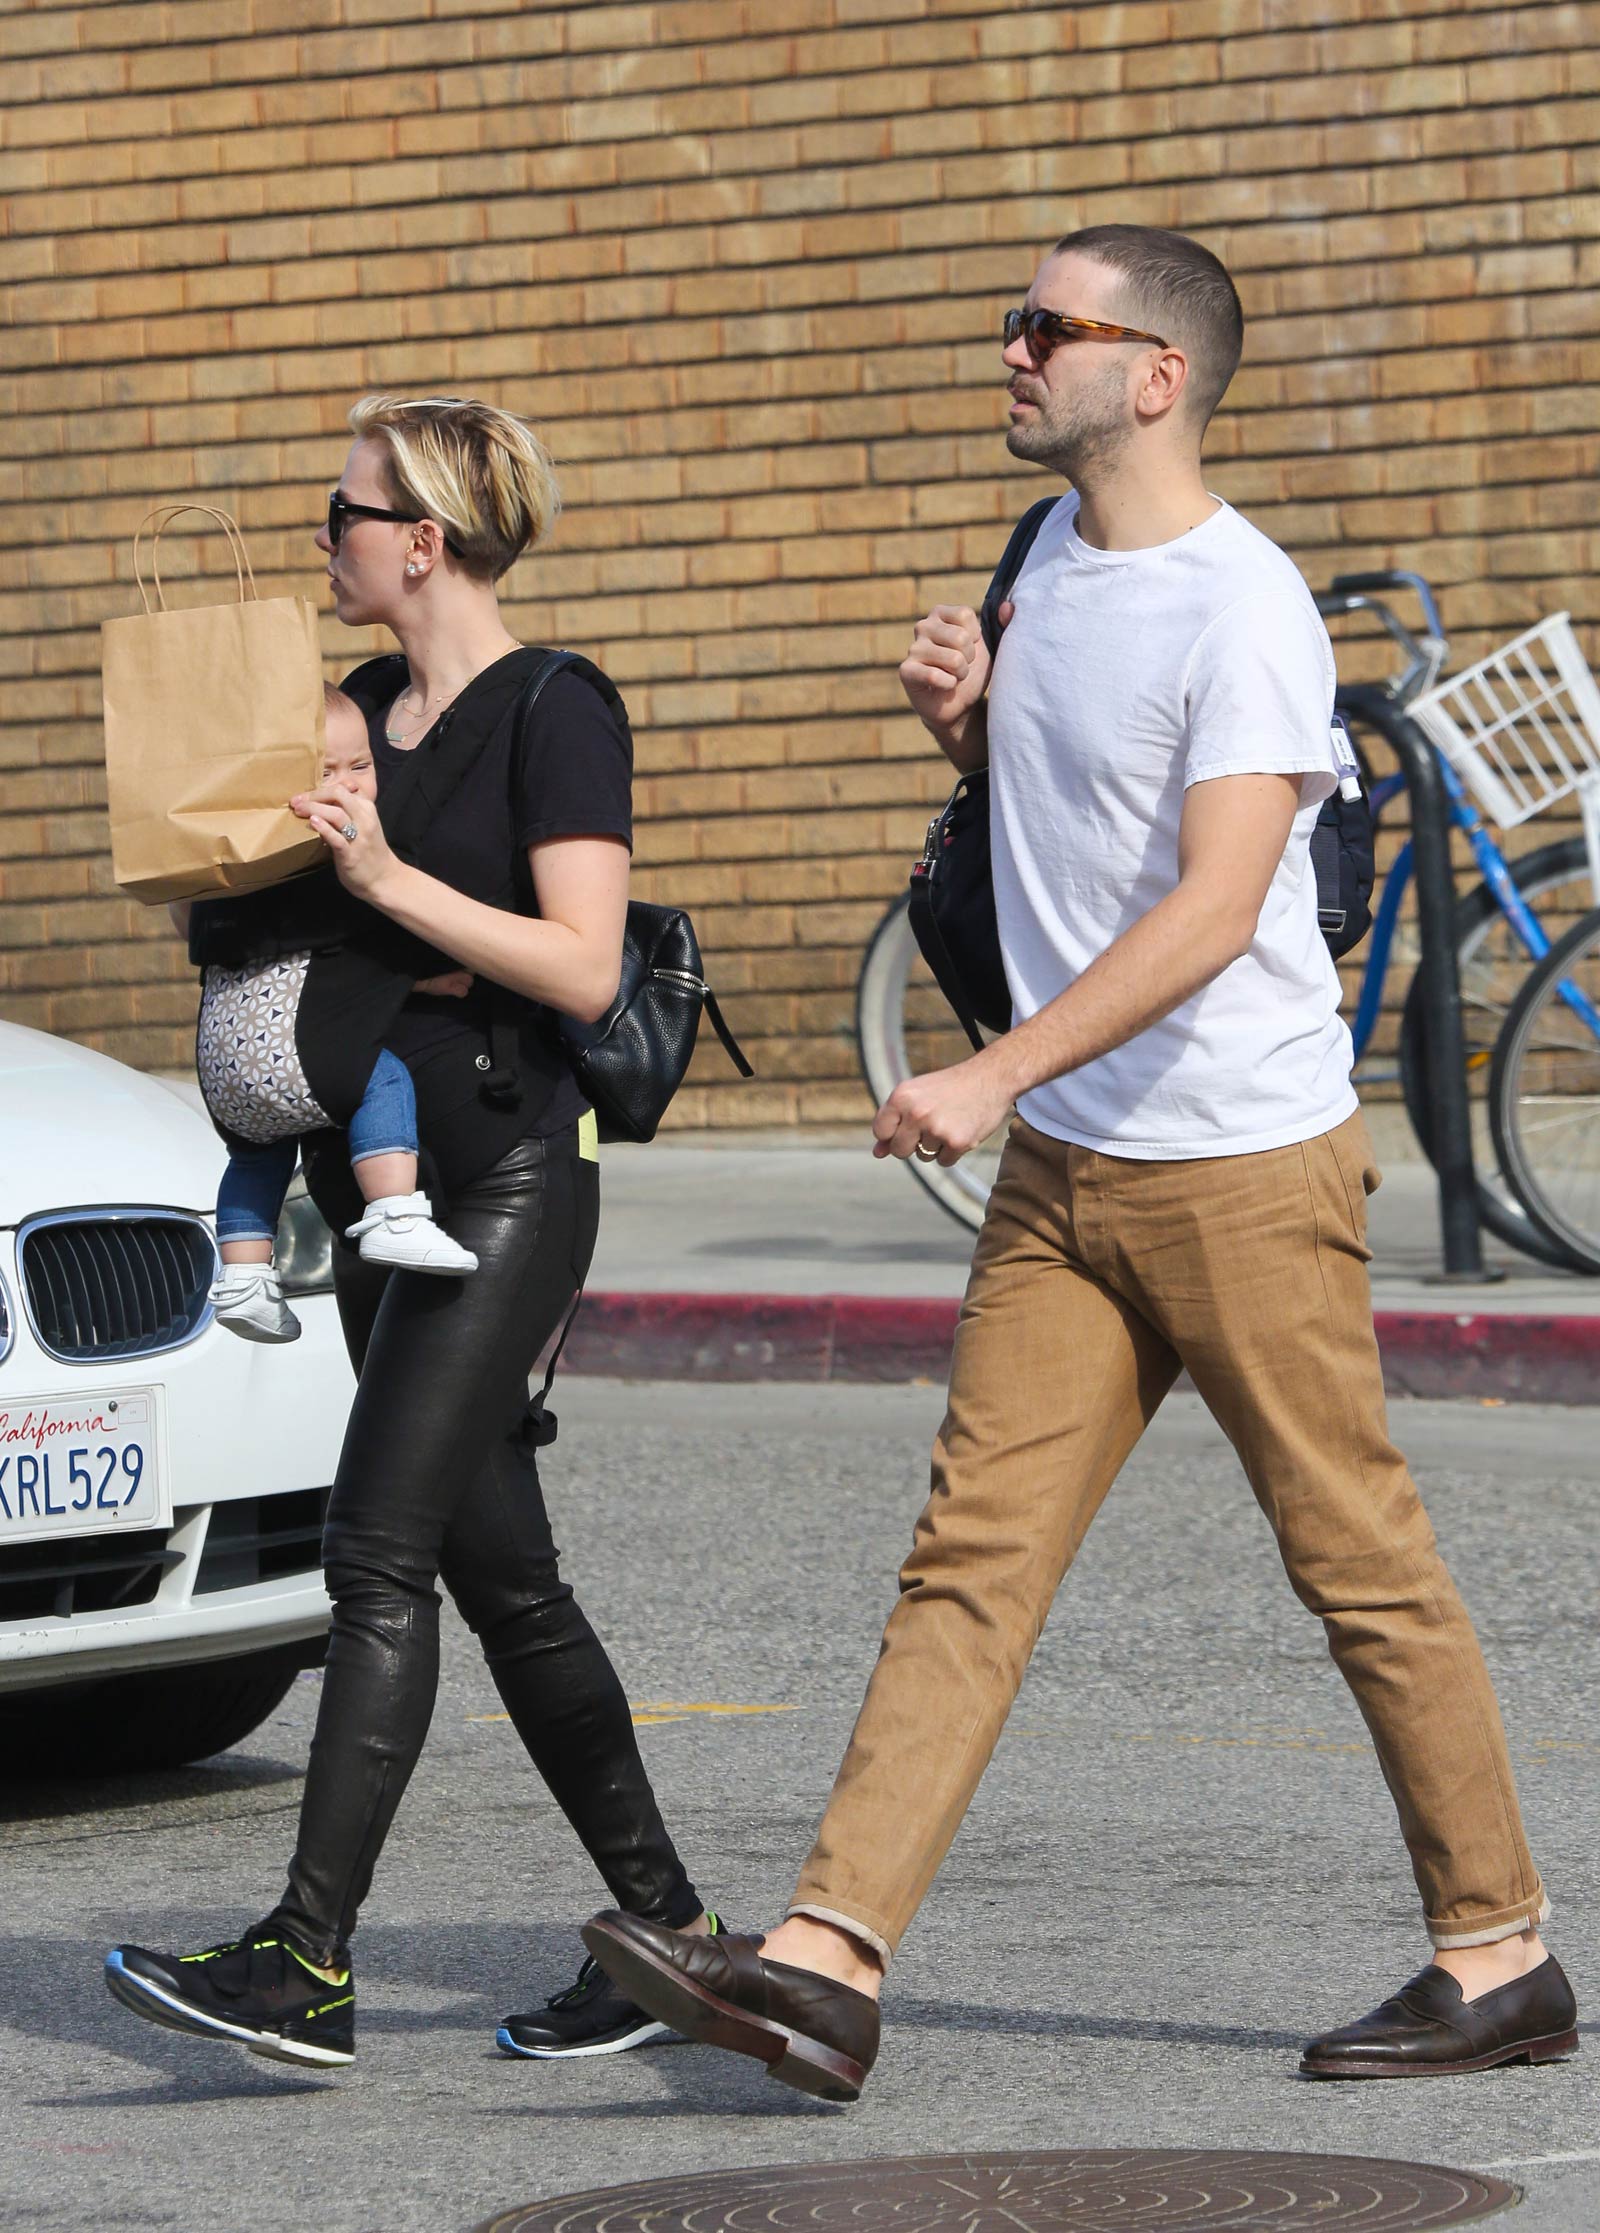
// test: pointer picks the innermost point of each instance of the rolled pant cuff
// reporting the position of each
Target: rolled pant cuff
(848, 1924)
(1447, 1936)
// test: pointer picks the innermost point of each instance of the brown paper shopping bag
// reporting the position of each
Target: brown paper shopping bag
(213, 719)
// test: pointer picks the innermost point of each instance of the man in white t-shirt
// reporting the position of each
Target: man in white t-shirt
(1183, 1187)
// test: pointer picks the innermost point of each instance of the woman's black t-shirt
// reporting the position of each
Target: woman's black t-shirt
(570, 775)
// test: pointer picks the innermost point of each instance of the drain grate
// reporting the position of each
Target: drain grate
(1087, 2190)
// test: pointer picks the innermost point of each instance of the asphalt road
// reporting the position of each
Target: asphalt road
(1181, 1864)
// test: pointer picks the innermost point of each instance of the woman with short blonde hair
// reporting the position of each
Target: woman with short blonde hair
(499, 844)
(482, 474)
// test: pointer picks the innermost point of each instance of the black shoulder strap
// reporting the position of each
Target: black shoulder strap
(417, 792)
(553, 664)
(596, 677)
(502, 1033)
(432, 772)
(365, 678)
(550, 666)
(1023, 537)
(502, 1083)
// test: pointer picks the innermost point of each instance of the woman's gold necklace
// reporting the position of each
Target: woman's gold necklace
(413, 720)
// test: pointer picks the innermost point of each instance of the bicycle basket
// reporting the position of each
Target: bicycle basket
(1522, 727)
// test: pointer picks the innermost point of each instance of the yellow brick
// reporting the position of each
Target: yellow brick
(76, 77)
(294, 15)
(30, 213)
(161, 68)
(201, 199)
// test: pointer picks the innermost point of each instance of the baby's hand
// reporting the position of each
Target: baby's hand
(455, 984)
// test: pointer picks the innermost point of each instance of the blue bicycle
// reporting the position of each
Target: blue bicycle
(1544, 1093)
(1504, 926)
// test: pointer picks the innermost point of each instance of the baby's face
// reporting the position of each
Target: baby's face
(347, 752)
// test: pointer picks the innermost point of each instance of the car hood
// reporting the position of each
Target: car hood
(79, 1131)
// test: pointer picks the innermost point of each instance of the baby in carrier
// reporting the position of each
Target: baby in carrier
(260, 1100)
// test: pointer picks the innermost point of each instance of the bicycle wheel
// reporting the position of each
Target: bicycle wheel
(1493, 965)
(904, 1027)
(1544, 1094)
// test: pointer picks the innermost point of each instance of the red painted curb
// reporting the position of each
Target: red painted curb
(1512, 1356)
(763, 1337)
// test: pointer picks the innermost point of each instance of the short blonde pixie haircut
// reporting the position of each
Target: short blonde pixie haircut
(483, 474)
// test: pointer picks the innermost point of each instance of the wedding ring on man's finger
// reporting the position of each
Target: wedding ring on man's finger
(925, 1154)
(349, 833)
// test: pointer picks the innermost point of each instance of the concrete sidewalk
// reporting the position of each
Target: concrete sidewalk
(770, 1256)
(797, 1256)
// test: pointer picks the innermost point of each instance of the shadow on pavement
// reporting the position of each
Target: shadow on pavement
(1057, 2023)
(52, 1799)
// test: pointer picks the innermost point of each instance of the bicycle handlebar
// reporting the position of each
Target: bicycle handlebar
(1362, 583)
(1425, 655)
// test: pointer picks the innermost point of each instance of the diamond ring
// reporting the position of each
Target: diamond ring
(349, 833)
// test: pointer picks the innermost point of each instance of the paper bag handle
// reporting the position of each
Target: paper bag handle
(164, 515)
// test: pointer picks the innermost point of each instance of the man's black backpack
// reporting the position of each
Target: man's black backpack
(952, 885)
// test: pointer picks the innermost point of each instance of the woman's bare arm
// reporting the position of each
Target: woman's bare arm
(570, 958)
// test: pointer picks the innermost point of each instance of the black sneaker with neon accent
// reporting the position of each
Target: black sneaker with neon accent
(257, 1991)
(590, 2017)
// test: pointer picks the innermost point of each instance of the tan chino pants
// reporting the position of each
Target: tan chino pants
(1095, 1280)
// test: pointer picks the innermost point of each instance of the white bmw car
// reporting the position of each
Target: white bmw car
(162, 1483)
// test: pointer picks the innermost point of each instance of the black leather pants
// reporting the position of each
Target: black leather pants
(438, 1480)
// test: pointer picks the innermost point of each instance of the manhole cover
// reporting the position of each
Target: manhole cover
(1084, 2190)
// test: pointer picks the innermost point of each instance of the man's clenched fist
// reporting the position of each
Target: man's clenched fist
(946, 671)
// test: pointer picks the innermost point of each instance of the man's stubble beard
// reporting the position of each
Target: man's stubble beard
(1082, 438)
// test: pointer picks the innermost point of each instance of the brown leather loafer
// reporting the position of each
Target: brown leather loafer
(1428, 2031)
(810, 2032)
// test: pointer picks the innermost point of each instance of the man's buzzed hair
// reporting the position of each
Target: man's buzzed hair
(1170, 285)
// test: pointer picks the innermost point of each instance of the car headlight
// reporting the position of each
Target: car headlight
(8, 1324)
(304, 1246)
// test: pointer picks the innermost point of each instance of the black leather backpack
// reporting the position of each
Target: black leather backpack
(629, 1064)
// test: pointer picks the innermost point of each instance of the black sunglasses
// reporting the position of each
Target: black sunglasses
(1043, 331)
(340, 509)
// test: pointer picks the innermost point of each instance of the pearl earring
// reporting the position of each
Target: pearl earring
(411, 569)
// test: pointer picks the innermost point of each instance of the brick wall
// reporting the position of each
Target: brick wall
(748, 285)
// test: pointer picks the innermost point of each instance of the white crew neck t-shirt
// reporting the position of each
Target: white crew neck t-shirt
(1124, 677)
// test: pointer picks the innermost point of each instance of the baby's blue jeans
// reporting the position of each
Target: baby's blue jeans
(250, 1198)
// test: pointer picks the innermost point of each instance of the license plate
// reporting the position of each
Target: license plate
(87, 1465)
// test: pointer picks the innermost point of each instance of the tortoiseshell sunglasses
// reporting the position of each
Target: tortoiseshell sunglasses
(1042, 331)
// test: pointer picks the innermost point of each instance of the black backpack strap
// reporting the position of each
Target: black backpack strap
(1023, 537)
(551, 665)
(429, 777)
(930, 937)
(1331, 913)
(363, 683)
(542, 1424)
(730, 1045)
(503, 1083)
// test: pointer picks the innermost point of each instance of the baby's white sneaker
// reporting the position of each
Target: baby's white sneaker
(398, 1229)
(249, 1301)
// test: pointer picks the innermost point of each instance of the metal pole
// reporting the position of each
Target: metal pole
(1444, 1040)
